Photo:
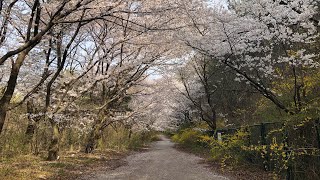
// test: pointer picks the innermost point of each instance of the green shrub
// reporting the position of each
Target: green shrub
(187, 137)
(191, 139)
(230, 151)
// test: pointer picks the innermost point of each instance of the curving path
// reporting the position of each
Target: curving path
(161, 162)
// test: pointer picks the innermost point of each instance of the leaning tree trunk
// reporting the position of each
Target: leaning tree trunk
(54, 144)
(96, 134)
(11, 85)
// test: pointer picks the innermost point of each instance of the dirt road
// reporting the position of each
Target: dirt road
(161, 162)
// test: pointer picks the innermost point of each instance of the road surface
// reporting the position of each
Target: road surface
(161, 162)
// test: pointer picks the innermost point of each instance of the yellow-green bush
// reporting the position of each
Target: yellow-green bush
(187, 137)
(191, 139)
(230, 150)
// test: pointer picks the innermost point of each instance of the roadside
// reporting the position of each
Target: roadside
(71, 164)
(225, 158)
(244, 172)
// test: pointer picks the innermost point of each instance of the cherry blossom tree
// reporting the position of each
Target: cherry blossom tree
(26, 24)
(258, 40)
(84, 49)
(27, 28)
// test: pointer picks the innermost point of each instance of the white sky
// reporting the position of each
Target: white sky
(222, 3)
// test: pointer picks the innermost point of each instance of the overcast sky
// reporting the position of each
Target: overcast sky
(219, 2)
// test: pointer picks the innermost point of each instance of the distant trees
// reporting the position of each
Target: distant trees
(212, 92)
(199, 88)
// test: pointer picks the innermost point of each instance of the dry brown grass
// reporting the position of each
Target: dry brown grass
(69, 166)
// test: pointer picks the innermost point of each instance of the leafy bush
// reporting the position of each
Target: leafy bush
(192, 140)
(187, 137)
(230, 151)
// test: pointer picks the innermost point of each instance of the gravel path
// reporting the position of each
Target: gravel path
(161, 162)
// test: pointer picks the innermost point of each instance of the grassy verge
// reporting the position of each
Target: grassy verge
(223, 158)
(70, 164)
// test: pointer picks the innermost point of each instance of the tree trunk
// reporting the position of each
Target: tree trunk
(11, 85)
(90, 146)
(130, 133)
(3, 114)
(96, 133)
(29, 132)
(94, 136)
(31, 123)
(213, 119)
(54, 145)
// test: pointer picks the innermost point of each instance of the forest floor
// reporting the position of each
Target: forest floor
(161, 161)
(69, 166)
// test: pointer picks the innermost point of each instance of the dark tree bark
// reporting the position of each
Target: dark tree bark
(3, 114)
(1, 5)
(11, 85)
(31, 126)
(94, 136)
